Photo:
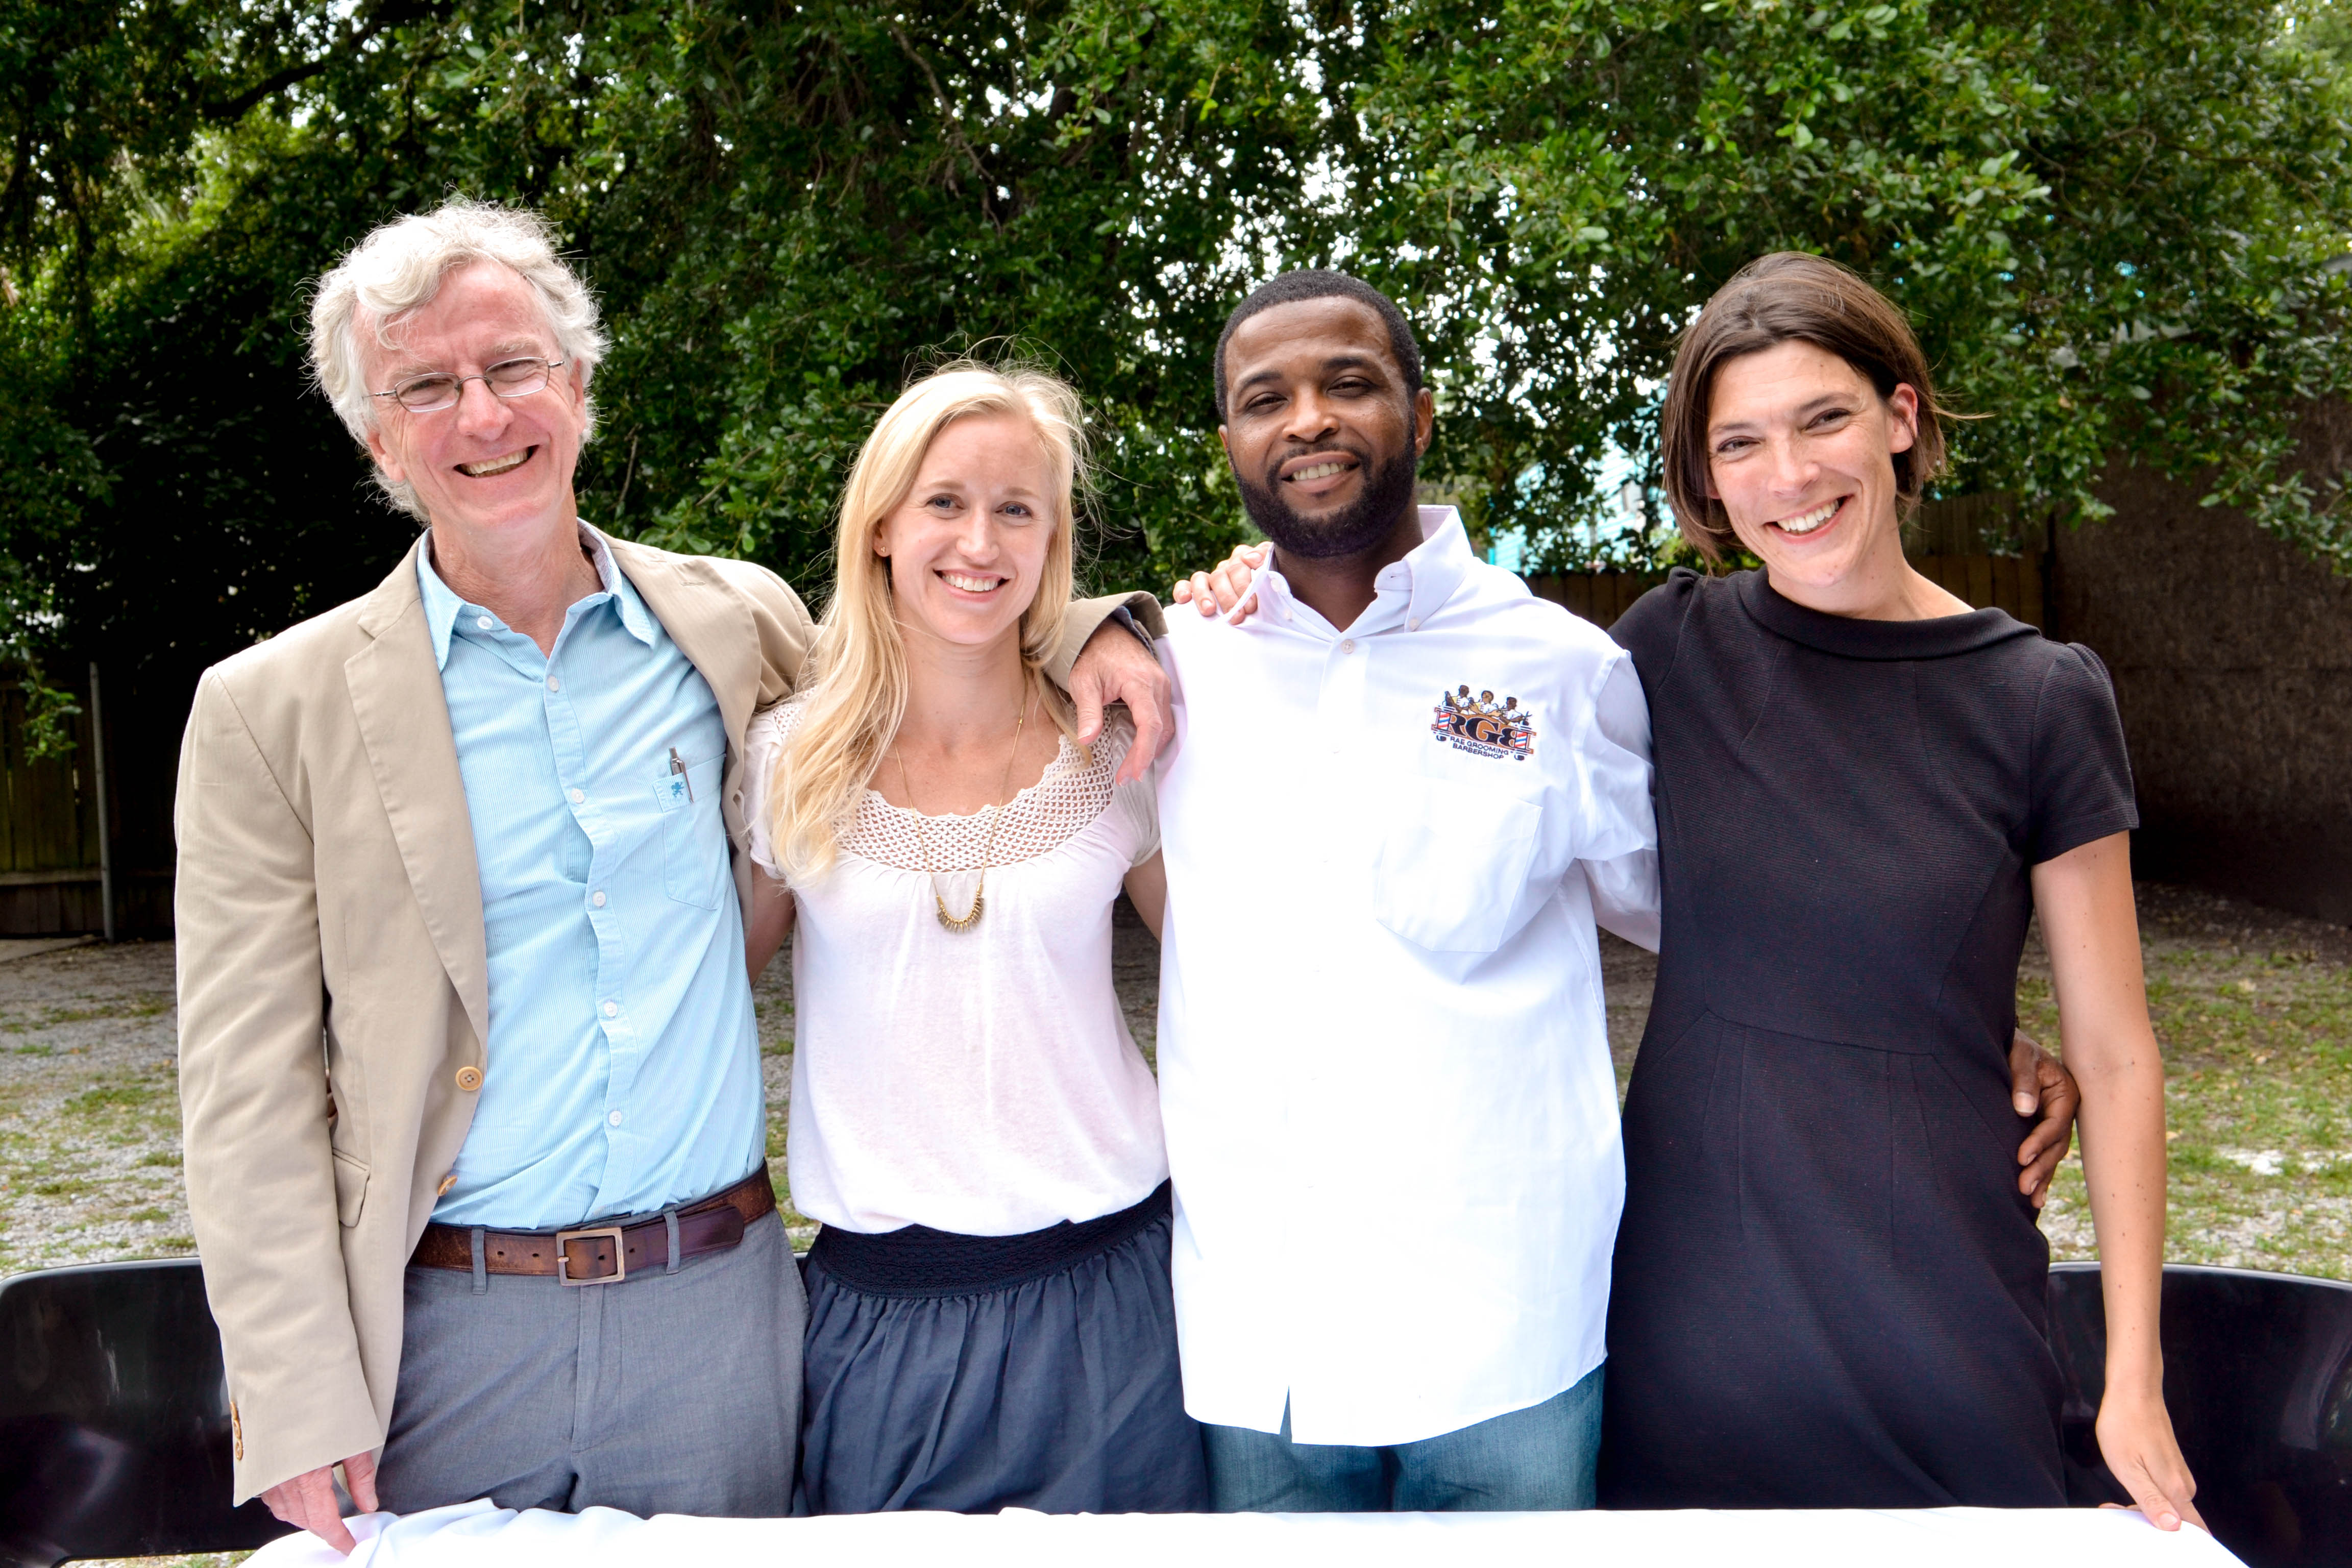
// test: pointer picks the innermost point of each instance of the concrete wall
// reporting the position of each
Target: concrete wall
(2232, 659)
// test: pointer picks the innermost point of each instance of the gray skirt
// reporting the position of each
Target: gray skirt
(973, 1373)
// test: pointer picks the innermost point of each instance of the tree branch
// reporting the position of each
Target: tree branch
(387, 14)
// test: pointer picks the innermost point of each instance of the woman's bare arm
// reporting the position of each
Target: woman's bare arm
(766, 923)
(1147, 887)
(2084, 900)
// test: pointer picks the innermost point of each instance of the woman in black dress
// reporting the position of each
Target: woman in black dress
(1829, 1290)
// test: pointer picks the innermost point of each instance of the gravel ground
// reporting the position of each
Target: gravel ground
(2254, 1012)
(2253, 1009)
(89, 1111)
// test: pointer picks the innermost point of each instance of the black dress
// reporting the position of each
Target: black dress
(1829, 1292)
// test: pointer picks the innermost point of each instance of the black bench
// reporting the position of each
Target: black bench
(2258, 1377)
(114, 1430)
(114, 1434)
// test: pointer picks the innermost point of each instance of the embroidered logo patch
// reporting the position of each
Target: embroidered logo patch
(1484, 727)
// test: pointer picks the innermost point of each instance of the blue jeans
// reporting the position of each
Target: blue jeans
(1539, 1458)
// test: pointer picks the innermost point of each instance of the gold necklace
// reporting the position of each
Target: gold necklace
(987, 845)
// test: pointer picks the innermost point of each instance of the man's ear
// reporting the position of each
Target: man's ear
(1424, 420)
(1225, 441)
(387, 464)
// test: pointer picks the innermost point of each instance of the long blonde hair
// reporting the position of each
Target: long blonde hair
(853, 706)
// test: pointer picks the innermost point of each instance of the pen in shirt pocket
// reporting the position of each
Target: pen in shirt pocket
(678, 766)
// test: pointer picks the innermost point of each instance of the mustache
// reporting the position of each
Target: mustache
(1352, 528)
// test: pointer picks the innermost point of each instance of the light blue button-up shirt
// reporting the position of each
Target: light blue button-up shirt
(623, 1070)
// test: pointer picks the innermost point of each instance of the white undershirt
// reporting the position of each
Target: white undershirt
(980, 1081)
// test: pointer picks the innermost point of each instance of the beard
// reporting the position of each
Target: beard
(1350, 531)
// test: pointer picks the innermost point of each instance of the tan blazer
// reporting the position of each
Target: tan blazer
(330, 932)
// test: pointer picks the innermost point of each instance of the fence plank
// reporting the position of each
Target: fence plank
(2004, 584)
(1598, 596)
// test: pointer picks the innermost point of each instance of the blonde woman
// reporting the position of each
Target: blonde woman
(990, 1323)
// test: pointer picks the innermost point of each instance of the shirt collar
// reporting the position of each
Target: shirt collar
(442, 606)
(1407, 592)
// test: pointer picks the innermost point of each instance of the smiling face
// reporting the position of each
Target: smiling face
(966, 546)
(1323, 439)
(1800, 451)
(489, 465)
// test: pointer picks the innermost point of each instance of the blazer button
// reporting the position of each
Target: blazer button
(469, 1078)
(446, 1183)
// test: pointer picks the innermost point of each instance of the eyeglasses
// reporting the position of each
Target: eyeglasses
(508, 378)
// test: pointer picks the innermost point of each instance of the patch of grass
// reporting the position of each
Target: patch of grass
(61, 1187)
(132, 1094)
(148, 1217)
(2258, 1101)
(141, 1008)
(161, 1157)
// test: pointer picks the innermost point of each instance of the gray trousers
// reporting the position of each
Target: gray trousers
(667, 1393)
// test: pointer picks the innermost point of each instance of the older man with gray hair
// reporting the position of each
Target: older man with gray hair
(473, 1134)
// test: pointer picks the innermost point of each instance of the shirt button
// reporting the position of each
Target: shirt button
(612, 1009)
(1349, 646)
(446, 1183)
(469, 1078)
(579, 796)
(554, 684)
(597, 899)
(1412, 626)
(484, 622)
(614, 1120)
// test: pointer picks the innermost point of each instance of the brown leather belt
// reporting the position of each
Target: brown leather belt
(604, 1254)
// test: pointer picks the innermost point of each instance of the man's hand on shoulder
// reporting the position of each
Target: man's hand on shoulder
(307, 1501)
(1219, 592)
(1116, 667)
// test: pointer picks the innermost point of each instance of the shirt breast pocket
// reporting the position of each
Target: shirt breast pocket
(694, 837)
(1452, 859)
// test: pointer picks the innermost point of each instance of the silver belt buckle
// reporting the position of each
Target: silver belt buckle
(564, 1240)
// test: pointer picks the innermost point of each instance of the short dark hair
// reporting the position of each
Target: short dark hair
(1315, 283)
(1790, 297)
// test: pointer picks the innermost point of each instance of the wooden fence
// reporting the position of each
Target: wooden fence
(2017, 583)
(59, 871)
(1984, 549)
(85, 837)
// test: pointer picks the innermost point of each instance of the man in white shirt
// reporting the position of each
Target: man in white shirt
(1384, 1069)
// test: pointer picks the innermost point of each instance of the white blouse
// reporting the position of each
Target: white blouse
(980, 1081)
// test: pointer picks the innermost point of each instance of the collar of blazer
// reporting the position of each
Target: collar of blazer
(403, 722)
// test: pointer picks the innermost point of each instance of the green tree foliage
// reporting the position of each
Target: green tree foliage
(2120, 228)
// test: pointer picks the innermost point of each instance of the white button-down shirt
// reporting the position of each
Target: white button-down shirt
(1384, 1059)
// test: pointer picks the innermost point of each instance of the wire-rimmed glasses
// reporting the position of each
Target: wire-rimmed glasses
(440, 389)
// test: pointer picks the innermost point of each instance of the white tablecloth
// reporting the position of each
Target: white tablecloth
(475, 1534)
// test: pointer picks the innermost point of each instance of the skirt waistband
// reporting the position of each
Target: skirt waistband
(917, 1260)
